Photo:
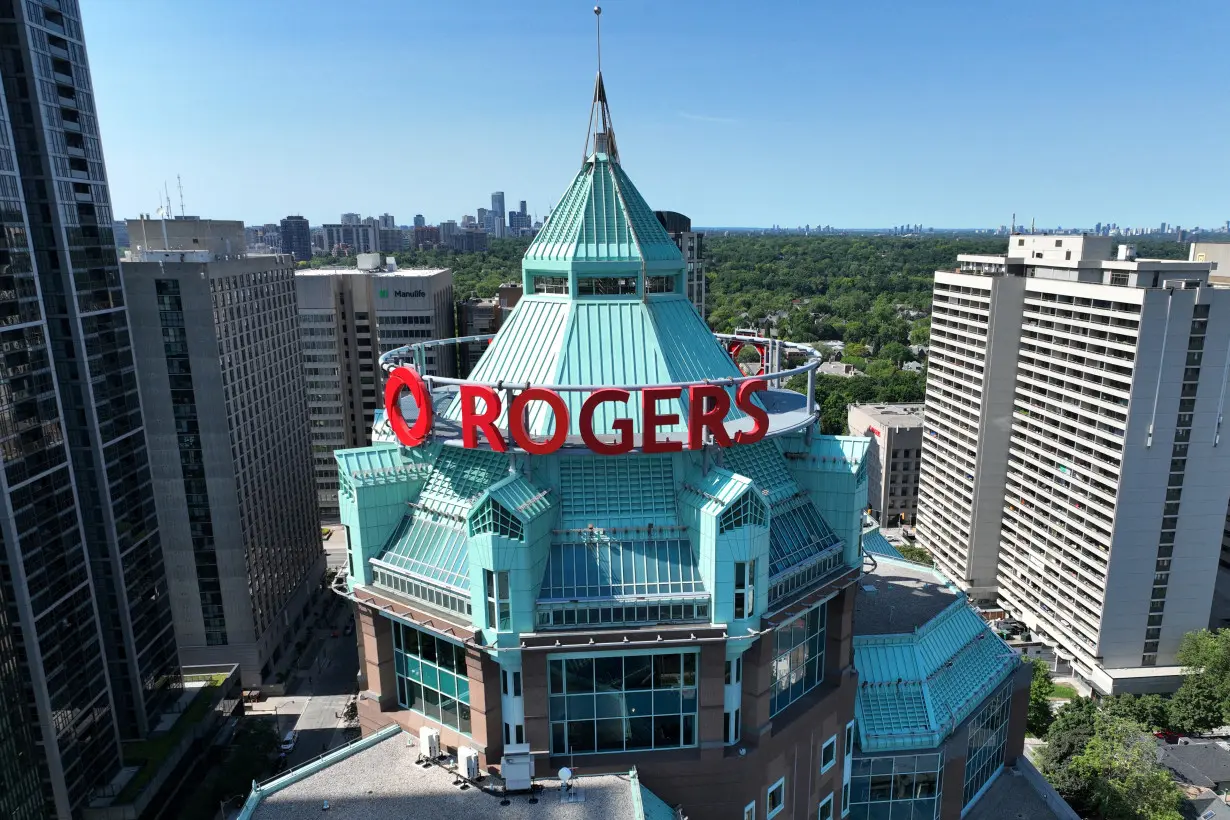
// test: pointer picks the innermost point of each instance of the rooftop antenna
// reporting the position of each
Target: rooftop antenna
(180, 180)
(1013, 223)
(604, 139)
(170, 213)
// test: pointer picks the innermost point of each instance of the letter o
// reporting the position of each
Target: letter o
(405, 377)
(516, 421)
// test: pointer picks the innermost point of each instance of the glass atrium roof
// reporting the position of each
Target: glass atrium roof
(609, 568)
(797, 533)
(431, 547)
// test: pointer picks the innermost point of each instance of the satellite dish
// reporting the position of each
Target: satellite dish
(565, 774)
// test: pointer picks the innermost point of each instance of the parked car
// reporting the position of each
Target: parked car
(1169, 737)
(288, 742)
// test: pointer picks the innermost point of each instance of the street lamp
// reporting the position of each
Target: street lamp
(223, 803)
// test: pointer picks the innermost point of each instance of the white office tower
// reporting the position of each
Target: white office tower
(1072, 462)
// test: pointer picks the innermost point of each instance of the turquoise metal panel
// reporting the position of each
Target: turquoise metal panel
(796, 533)
(764, 464)
(876, 544)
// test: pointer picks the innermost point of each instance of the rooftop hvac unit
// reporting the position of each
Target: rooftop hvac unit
(429, 741)
(516, 771)
(467, 763)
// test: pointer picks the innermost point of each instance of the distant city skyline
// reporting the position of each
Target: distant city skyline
(958, 114)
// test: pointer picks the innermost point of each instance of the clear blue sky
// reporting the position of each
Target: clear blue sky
(866, 113)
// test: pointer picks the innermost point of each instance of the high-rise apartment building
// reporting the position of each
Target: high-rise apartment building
(297, 238)
(497, 203)
(894, 460)
(476, 317)
(419, 221)
(347, 318)
(218, 354)
(87, 649)
(1071, 457)
(692, 246)
(351, 219)
(448, 230)
(387, 221)
(350, 238)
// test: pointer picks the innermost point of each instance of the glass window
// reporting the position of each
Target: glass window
(902, 786)
(798, 663)
(499, 606)
(745, 589)
(749, 811)
(431, 677)
(828, 754)
(622, 703)
(826, 808)
(775, 798)
(988, 733)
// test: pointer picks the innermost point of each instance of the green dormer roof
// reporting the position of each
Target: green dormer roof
(602, 218)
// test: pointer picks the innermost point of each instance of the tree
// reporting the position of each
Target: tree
(1119, 775)
(1198, 705)
(895, 352)
(1039, 716)
(880, 368)
(253, 745)
(920, 333)
(1150, 711)
(1069, 733)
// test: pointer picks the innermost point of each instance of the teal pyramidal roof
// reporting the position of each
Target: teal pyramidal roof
(577, 334)
(601, 218)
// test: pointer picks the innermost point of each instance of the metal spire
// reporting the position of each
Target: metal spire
(604, 137)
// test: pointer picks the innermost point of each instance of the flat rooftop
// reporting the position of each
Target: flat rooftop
(895, 597)
(1013, 797)
(384, 782)
(352, 271)
(893, 415)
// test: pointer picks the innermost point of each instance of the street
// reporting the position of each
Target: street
(317, 693)
(334, 545)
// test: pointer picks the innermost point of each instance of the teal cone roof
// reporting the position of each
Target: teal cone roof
(602, 218)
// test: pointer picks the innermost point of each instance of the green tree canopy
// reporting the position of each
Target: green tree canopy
(1119, 775)
(1039, 716)
(1198, 705)
(1150, 711)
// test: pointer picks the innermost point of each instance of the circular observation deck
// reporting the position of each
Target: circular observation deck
(787, 411)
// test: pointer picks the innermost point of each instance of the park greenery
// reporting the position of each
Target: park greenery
(870, 292)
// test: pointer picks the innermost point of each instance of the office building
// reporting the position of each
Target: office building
(470, 240)
(391, 240)
(476, 317)
(387, 221)
(494, 225)
(497, 203)
(482, 218)
(894, 461)
(350, 238)
(509, 295)
(120, 228)
(351, 219)
(220, 367)
(419, 221)
(692, 245)
(448, 230)
(706, 556)
(87, 648)
(1071, 455)
(297, 238)
(347, 318)
(425, 237)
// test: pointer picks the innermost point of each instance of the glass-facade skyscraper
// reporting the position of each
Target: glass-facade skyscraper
(87, 648)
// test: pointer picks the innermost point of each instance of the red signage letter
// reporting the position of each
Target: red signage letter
(650, 419)
(743, 400)
(473, 421)
(624, 426)
(713, 416)
(516, 421)
(398, 378)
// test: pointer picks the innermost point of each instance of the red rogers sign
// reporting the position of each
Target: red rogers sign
(708, 406)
